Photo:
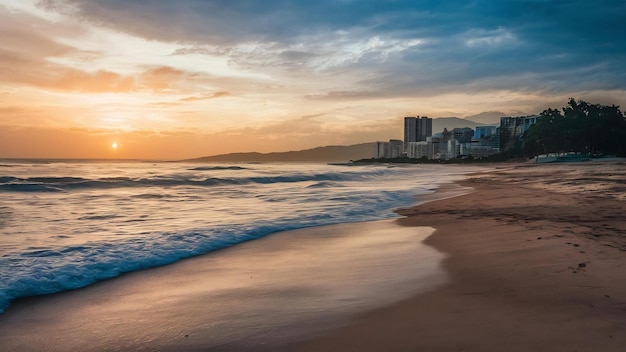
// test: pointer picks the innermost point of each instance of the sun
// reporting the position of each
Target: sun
(114, 145)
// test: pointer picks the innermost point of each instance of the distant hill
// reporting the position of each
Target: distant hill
(488, 117)
(320, 154)
(335, 153)
(439, 123)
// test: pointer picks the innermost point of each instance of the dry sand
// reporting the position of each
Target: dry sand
(537, 258)
(536, 262)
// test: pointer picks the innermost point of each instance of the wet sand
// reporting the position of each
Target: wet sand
(537, 261)
(254, 296)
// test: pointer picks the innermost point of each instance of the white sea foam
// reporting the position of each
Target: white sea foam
(67, 225)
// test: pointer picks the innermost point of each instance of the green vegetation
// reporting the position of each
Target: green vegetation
(581, 128)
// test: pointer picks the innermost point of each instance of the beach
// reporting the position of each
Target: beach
(537, 260)
(257, 295)
(524, 258)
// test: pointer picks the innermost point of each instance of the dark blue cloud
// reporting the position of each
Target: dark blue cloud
(549, 22)
(532, 44)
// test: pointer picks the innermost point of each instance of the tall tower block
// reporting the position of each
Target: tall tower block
(416, 129)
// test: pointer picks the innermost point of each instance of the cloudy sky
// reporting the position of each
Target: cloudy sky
(186, 78)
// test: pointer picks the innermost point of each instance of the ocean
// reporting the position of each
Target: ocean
(69, 224)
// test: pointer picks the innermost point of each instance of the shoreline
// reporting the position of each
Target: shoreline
(254, 296)
(513, 253)
(536, 256)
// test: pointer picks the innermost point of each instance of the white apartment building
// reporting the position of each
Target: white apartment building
(417, 150)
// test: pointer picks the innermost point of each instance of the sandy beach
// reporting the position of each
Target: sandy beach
(535, 260)
(257, 295)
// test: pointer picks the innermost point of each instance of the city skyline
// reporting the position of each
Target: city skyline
(174, 80)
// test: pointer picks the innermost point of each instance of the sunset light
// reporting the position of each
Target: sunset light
(192, 78)
(329, 175)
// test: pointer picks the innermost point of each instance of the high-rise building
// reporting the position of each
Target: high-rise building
(417, 150)
(380, 149)
(391, 149)
(416, 129)
(485, 131)
(512, 128)
(410, 130)
(463, 135)
(425, 128)
(396, 147)
(439, 146)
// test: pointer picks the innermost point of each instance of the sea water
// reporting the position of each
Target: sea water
(68, 224)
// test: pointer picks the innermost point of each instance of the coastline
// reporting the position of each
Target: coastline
(513, 280)
(254, 296)
(536, 256)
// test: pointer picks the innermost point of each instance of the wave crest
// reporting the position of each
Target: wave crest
(61, 183)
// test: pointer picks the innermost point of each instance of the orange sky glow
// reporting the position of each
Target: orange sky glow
(74, 84)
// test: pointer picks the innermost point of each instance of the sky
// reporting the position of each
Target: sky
(162, 79)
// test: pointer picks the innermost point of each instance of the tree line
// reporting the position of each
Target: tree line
(580, 127)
